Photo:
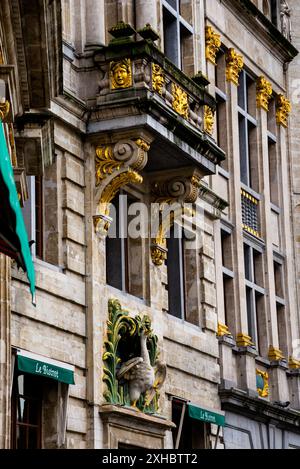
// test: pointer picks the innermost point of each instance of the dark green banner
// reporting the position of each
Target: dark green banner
(46, 370)
(204, 415)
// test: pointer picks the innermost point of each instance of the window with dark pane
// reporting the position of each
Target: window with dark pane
(27, 412)
(247, 131)
(124, 254)
(178, 44)
(254, 288)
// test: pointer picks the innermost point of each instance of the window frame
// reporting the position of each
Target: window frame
(181, 26)
(255, 290)
(246, 120)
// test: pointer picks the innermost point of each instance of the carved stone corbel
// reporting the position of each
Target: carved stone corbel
(166, 193)
(116, 165)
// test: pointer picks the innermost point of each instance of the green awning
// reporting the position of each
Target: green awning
(13, 235)
(205, 415)
(45, 367)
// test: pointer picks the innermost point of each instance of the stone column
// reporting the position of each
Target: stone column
(146, 12)
(5, 352)
(95, 24)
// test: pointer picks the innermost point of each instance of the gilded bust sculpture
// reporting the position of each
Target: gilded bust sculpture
(120, 74)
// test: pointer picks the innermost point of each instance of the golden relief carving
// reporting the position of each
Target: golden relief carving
(4, 110)
(213, 44)
(115, 166)
(243, 340)
(120, 74)
(275, 354)
(111, 158)
(105, 163)
(209, 119)
(262, 383)
(234, 66)
(177, 191)
(283, 109)
(223, 330)
(12, 145)
(263, 93)
(102, 221)
(294, 364)
(158, 78)
(180, 101)
(143, 144)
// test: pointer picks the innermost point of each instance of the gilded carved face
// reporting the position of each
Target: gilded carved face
(120, 74)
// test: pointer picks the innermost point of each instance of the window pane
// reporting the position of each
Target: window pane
(248, 262)
(134, 245)
(244, 159)
(175, 271)
(114, 250)
(250, 313)
(173, 3)
(258, 268)
(171, 37)
(241, 91)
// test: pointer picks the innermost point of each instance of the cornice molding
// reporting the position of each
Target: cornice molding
(252, 17)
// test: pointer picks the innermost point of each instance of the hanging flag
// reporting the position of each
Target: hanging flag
(13, 235)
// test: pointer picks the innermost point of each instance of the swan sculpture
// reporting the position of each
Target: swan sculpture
(141, 375)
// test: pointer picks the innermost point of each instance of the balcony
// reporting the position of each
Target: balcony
(250, 213)
(141, 88)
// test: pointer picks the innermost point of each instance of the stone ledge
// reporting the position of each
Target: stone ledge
(114, 413)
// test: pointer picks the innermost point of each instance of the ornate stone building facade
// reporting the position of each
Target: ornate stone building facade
(150, 144)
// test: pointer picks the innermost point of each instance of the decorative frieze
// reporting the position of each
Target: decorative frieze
(213, 44)
(262, 383)
(283, 109)
(209, 120)
(264, 93)
(234, 66)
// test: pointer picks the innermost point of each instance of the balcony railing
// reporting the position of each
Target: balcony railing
(138, 79)
(250, 217)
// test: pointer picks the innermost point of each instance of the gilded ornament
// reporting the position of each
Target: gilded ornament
(120, 74)
(180, 101)
(177, 191)
(262, 383)
(294, 364)
(158, 78)
(209, 119)
(213, 44)
(243, 340)
(275, 354)
(158, 254)
(223, 330)
(142, 144)
(4, 110)
(283, 109)
(234, 66)
(130, 379)
(106, 164)
(263, 93)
